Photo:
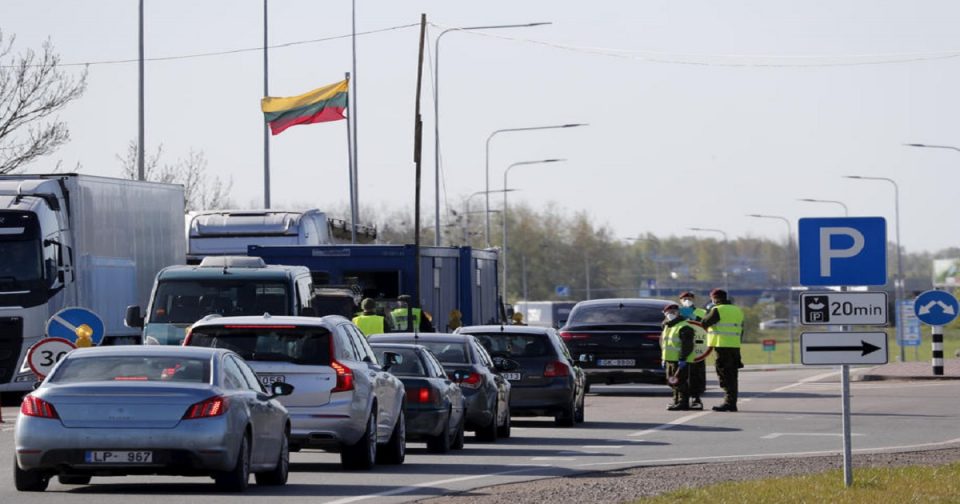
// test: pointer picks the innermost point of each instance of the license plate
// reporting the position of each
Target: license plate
(512, 376)
(268, 380)
(617, 362)
(119, 457)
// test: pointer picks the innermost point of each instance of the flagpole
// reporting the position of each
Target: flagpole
(266, 126)
(353, 182)
(353, 112)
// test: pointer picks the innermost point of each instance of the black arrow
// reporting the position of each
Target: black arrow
(864, 347)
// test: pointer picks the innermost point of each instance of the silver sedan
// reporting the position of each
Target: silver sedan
(122, 410)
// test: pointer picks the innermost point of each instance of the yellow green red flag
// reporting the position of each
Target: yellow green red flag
(323, 104)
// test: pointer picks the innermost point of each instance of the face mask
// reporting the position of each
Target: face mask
(671, 316)
(687, 302)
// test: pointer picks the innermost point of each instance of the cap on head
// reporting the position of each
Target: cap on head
(687, 294)
(403, 298)
(718, 294)
(671, 307)
(368, 304)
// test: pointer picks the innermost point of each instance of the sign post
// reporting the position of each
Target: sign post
(769, 346)
(937, 309)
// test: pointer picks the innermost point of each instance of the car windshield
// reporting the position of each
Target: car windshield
(616, 314)
(334, 305)
(447, 352)
(187, 301)
(408, 363)
(21, 260)
(504, 344)
(299, 345)
(133, 368)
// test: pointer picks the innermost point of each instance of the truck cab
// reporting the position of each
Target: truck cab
(223, 286)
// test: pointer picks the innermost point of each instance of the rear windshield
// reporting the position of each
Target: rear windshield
(514, 345)
(299, 345)
(616, 314)
(409, 362)
(133, 368)
(447, 353)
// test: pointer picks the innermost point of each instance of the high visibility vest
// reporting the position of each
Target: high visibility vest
(670, 343)
(369, 324)
(726, 333)
(400, 319)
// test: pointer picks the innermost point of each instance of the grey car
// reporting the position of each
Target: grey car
(114, 411)
(346, 401)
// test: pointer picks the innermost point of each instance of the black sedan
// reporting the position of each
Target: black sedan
(485, 390)
(435, 405)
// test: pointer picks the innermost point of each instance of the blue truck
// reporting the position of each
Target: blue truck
(461, 278)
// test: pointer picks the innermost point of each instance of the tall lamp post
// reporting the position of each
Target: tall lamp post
(467, 212)
(726, 272)
(487, 165)
(899, 283)
(846, 211)
(792, 267)
(505, 190)
(436, 110)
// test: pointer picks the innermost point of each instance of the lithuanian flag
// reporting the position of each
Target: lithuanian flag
(320, 105)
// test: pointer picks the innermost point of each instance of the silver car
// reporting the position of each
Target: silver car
(114, 411)
(345, 401)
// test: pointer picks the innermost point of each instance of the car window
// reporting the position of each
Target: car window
(436, 370)
(364, 353)
(307, 345)
(186, 301)
(616, 314)
(409, 365)
(133, 368)
(233, 376)
(506, 344)
(483, 356)
(253, 383)
(453, 352)
(563, 346)
(343, 347)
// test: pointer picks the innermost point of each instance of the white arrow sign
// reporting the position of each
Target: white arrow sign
(843, 348)
(947, 309)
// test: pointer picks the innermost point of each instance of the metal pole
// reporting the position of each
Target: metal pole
(353, 112)
(266, 127)
(847, 450)
(586, 267)
(353, 201)
(936, 343)
(141, 170)
(523, 267)
(900, 279)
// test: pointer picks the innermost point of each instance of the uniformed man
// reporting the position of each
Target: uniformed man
(369, 322)
(421, 319)
(698, 369)
(676, 343)
(724, 324)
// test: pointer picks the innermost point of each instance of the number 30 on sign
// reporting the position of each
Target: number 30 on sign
(46, 353)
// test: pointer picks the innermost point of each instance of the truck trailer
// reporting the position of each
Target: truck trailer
(460, 278)
(71, 240)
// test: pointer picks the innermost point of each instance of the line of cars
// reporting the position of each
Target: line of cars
(248, 390)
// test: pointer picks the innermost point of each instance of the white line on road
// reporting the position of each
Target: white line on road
(775, 435)
(554, 459)
(670, 424)
(603, 447)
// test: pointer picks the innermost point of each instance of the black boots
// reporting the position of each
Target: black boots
(725, 407)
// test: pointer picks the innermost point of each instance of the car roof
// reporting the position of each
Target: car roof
(506, 329)
(425, 337)
(149, 350)
(328, 322)
(403, 346)
(625, 301)
(271, 271)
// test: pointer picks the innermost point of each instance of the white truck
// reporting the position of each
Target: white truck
(230, 232)
(70, 240)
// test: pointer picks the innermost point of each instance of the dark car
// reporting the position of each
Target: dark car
(617, 340)
(548, 383)
(486, 392)
(435, 404)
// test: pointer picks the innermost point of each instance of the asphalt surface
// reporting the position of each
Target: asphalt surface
(784, 412)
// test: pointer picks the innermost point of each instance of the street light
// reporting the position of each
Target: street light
(467, 212)
(898, 285)
(791, 267)
(846, 211)
(436, 110)
(726, 282)
(506, 172)
(487, 164)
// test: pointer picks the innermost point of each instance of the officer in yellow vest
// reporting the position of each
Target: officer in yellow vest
(676, 344)
(421, 319)
(369, 322)
(724, 324)
(698, 369)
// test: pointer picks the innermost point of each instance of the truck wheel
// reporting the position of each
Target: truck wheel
(29, 480)
(395, 451)
(362, 454)
(441, 442)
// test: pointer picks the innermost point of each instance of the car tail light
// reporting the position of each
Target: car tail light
(36, 407)
(653, 337)
(344, 377)
(473, 380)
(556, 369)
(422, 395)
(567, 336)
(213, 407)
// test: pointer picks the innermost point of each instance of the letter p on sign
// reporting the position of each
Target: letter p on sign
(843, 251)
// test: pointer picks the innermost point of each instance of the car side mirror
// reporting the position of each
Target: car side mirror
(278, 389)
(391, 359)
(133, 317)
(458, 376)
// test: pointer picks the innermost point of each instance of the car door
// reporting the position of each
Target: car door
(383, 384)
(500, 385)
(240, 393)
(273, 420)
(450, 390)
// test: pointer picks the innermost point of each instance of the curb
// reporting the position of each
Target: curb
(874, 377)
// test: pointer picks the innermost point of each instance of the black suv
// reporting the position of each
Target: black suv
(617, 340)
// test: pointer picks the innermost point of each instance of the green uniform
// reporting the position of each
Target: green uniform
(724, 325)
(676, 344)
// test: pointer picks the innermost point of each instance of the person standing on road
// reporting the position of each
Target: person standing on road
(698, 369)
(369, 322)
(724, 324)
(421, 319)
(676, 343)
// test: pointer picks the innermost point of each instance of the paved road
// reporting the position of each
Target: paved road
(783, 412)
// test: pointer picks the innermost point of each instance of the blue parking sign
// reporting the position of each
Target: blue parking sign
(843, 251)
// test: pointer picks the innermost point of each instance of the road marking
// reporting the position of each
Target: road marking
(668, 425)
(602, 447)
(555, 459)
(775, 435)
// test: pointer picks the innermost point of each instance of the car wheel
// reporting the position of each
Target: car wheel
(29, 480)
(504, 430)
(237, 479)
(68, 479)
(580, 414)
(586, 389)
(458, 440)
(278, 476)
(441, 442)
(567, 415)
(488, 432)
(363, 453)
(395, 451)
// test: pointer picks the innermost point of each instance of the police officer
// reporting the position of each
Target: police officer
(724, 324)
(421, 319)
(676, 343)
(698, 369)
(369, 322)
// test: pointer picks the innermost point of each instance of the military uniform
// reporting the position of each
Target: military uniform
(724, 323)
(676, 343)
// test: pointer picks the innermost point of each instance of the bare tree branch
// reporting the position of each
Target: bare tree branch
(200, 191)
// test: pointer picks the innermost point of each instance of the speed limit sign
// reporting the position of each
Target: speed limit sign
(46, 353)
